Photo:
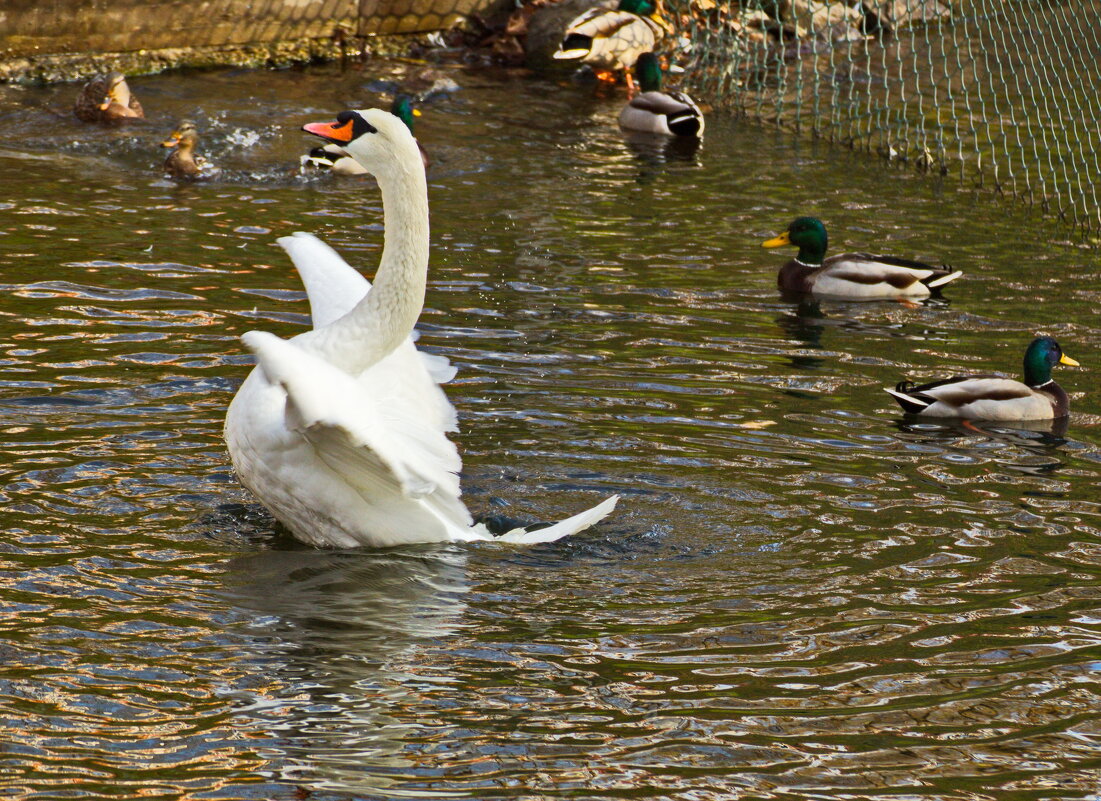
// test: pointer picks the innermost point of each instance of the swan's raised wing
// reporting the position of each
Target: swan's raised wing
(376, 444)
(333, 286)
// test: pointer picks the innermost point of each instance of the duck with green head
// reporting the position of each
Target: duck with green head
(991, 397)
(658, 112)
(852, 276)
(611, 40)
(332, 158)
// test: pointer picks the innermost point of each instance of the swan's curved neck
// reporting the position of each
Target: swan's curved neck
(385, 317)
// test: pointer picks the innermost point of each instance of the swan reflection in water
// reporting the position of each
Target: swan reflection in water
(336, 635)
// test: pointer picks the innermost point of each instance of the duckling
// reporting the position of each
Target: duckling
(183, 161)
(333, 158)
(107, 98)
(655, 111)
(852, 276)
(991, 397)
(613, 39)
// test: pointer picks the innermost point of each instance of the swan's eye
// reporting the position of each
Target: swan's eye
(348, 126)
(359, 126)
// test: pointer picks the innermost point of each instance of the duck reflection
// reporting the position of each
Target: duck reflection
(805, 324)
(654, 151)
(1042, 437)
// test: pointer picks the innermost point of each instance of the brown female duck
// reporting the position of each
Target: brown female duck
(107, 98)
(183, 162)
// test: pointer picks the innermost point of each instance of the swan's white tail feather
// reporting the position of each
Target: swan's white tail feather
(571, 525)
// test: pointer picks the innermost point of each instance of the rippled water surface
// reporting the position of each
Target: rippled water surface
(801, 595)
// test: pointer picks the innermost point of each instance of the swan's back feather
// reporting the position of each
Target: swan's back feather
(439, 367)
(364, 437)
(408, 381)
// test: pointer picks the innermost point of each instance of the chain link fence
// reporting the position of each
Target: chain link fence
(1002, 93)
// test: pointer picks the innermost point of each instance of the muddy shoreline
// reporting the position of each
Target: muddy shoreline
(63, 67)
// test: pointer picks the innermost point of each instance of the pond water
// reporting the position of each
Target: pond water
(801, 594)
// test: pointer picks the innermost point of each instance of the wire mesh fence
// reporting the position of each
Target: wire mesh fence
(1003, 93)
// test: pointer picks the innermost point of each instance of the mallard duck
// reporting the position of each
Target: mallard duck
(107, 98)
(655, 111)
(851, 276)
(991, 397)
(613, 39)
(333, 158)
(183, 162)
(342, 431)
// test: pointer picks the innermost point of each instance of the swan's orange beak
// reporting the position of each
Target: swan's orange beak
(340, 133)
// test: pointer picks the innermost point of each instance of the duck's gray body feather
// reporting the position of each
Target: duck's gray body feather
(983, 397)
(670, 113)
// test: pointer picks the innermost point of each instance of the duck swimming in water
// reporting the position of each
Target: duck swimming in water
(183, 162)
(992, 397)
(658, 112)
(852, 276)
(107, 98)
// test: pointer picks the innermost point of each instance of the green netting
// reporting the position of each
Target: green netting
(1005, 94)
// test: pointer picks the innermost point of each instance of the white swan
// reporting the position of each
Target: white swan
(340, 431)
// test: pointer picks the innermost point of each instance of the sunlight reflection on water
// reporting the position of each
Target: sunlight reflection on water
(801, 593)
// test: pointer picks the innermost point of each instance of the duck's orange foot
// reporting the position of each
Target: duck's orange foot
(605, 76)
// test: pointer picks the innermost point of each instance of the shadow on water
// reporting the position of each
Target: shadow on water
(1026, 446)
